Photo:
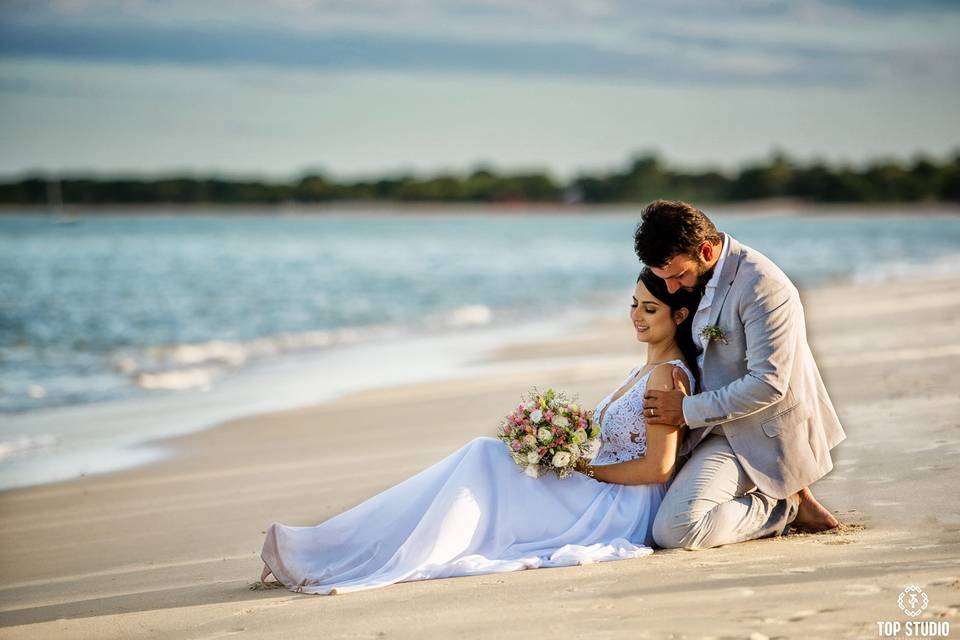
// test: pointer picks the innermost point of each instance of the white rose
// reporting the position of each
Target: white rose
(544, 434)
(574, 451)
(561, 421)
(579, 436)
(536, 416)
(532, 470)
(530, 440)
(531, 405)
(561, 459)
(533, 457)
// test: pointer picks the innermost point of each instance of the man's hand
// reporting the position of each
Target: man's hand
(665, 407)
(678, 383)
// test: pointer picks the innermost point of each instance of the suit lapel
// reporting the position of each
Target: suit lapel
(730, 266)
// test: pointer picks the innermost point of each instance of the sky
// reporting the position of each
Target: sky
(360, 88)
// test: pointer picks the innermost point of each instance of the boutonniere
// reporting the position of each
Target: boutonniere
(713, 333)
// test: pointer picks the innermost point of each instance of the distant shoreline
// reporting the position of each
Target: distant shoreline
(644, 178)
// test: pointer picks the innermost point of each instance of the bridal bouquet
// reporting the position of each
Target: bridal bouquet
(547, 432)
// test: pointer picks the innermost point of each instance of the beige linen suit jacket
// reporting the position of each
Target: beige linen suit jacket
(761, 381)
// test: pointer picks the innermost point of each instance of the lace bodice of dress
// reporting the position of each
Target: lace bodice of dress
(623, 430)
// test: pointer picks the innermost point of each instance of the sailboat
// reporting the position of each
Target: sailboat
(55, 204)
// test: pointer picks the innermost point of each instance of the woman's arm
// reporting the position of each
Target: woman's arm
(663, 441)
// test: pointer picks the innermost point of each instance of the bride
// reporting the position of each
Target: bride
(476, 512)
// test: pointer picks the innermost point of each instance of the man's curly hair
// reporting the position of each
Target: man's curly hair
(671, 227)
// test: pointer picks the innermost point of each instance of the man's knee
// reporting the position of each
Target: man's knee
(668, 533)
(662, 533)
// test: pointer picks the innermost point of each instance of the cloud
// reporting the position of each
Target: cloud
(681, 42)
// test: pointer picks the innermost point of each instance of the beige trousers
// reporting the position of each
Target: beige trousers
(712, 502)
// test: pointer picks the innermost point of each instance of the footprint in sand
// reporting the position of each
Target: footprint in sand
(267, 604)
(800, 615)
(930, 447)
(951, 581)
(861, 589)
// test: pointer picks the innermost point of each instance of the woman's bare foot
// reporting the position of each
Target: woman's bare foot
(264, 574)
(812, 516)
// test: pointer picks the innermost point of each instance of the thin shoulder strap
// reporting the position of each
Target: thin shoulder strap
(683, 367)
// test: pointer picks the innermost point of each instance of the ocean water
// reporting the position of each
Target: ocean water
(205, 317)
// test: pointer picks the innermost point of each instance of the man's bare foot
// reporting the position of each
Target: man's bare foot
(812, 516)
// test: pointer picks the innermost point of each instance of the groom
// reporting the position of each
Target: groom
(762, 425)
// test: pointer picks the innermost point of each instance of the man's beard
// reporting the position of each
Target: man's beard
(702, 278)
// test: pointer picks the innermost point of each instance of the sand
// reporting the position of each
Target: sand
(170, 550)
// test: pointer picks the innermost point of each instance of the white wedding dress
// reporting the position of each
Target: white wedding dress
(476, 512)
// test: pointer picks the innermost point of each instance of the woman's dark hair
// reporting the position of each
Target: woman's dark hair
(668, 228)
(682, 299)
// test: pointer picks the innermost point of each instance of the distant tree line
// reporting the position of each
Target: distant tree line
(645, 178)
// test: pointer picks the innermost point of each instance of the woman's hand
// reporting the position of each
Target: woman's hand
(583, 466)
